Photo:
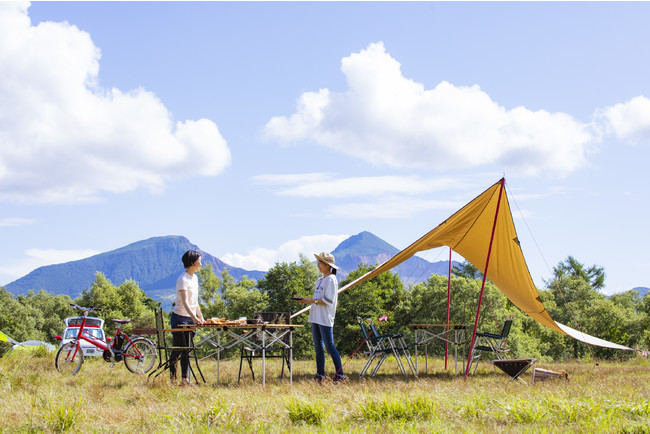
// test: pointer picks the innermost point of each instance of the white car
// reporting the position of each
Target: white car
(94, 328)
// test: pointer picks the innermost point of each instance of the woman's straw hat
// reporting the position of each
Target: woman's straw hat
(327, 258)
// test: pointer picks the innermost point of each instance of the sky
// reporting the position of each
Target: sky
(262, 130)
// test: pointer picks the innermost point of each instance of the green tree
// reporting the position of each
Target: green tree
(18, 321)
(103, 294)
(570, 267)
(242, 298)
(210, 295)
(310, 274)
(226, 298)
(283, 281)
(532, 339)
(644, 322)
(629, 299)
(53, 310)
(426, 303)
(124, 301)
(574, 287)
(134, 302)
(466, 269)
(579, 304)
(612, 322)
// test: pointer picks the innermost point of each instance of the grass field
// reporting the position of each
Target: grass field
(611, 397)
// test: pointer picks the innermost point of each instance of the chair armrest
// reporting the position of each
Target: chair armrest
(489, 335)
(385, 335)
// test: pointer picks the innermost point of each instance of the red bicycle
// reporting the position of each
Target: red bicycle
(139, 354)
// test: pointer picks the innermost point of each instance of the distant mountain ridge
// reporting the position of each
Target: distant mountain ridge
(155, 265)
(368, 248)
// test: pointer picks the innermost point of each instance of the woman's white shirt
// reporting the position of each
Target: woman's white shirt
(327, 291)
(190, 284)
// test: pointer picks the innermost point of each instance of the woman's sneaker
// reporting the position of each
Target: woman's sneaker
(319, 378)
(339, 378)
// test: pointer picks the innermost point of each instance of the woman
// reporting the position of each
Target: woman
(186, 311)
(322, 315)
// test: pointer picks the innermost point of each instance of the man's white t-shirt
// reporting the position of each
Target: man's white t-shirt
(326, 290)
(191, 285)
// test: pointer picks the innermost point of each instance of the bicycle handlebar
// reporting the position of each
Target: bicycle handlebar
(86, 309)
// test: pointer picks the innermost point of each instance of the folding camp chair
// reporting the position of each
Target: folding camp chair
(381, 346)
(495, 343)
(169, 354)
(277, 350)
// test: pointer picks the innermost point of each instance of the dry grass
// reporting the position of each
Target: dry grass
(608, 398)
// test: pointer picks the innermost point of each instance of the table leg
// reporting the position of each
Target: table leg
(263, 358)
(416, 350)
(456, 352)
(218, 354)
(426, 359)
(464, 336)
(290, 356)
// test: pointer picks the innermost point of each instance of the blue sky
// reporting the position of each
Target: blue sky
(261, 130)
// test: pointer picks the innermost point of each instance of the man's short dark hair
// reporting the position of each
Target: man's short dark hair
(190, 257)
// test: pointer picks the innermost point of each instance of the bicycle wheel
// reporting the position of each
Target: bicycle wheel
(67, 362)
(140, 355)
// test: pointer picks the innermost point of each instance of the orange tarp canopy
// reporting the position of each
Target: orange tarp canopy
(468, 232)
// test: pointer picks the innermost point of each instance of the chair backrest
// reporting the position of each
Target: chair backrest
(374, 336)
(363, 328)
(506, 329)
(160, 324)
(369, 336)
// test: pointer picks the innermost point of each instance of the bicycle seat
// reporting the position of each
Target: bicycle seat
(121, 321)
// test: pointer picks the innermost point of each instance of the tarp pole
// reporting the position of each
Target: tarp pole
(487, 263)
(448, 303)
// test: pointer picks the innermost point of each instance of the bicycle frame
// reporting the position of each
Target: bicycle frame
(138, 354)
(84, 335)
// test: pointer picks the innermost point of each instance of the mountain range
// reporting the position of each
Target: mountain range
(155, 265)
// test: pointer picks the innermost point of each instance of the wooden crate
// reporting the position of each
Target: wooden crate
(546, 374)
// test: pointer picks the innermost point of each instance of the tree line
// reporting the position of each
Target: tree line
(572, 297)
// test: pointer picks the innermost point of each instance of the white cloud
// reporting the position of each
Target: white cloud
(382, 196)
(65, 139)
(388, 119)
(263, 259)
(298, 178)
(16, 221)
(35, 258)
(256, 259)
(393, 207)
(321, 185)
(629, 121)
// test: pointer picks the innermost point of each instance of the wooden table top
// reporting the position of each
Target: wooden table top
(246, 326)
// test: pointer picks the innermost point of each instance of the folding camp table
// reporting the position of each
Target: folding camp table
(454, 335)
(261, 337)
(515, 367)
